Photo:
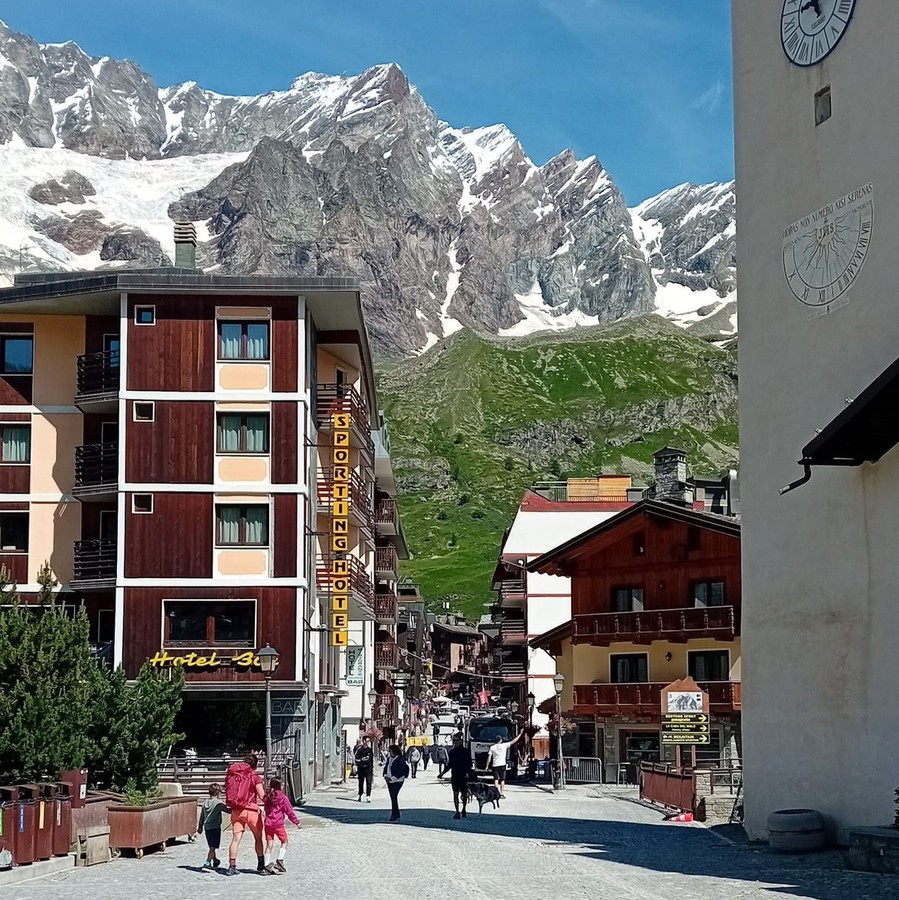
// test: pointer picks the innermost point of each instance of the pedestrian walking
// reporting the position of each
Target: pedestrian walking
(425, 758)
(498, 755)
(364, 758)
(459, 766)
(245, 797)
(414, 760)
(395, 773)
(277, 808)
(442, 758)
(210, 825)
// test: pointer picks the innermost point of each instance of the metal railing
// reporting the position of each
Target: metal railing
(96, 465)
(561, 492)
(94, 561)
(704, 621)
(98, 374)
(387, 655)
(385, 607)
(343, 398)
(390, 702)
(360, 501)
(513, 631)
(584, 770)
(361, 583)
(385, 514)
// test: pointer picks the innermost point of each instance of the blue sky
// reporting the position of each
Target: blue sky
(643, 84)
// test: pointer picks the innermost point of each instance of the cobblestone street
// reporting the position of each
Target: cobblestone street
(588, 843)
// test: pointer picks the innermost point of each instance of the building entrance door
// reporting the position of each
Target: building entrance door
(635, 747)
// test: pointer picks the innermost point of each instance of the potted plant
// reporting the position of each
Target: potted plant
(144, 819)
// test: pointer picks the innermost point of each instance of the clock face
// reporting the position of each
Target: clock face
(810, 29)
(824, 252)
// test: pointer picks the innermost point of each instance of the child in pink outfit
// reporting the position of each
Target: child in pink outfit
(277, 808)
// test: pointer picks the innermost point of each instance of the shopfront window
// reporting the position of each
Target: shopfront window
(201, 623)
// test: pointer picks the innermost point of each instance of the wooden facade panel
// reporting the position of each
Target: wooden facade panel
(17, 566)
(174, 541)
(285, 347)
(16, 390)
(15, 479)
(276, 618)
(672, 560)
(177, 353)
(285, 535)
(284, 443)
(178, 447)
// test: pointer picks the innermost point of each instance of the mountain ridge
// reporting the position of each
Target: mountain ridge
(446, 227)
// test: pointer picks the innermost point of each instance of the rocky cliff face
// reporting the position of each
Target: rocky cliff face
(445, 227)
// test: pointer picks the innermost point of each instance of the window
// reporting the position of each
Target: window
(709, 665)
(823, 108)
(144, 315)
(16, 354)
(141, 504)
(708, 593)
(243, 340)
(15, 443)
(197, 623)
(629, 667)
(629, 599)
(243, 433)
(14, 532)
(144, 411)
(242, 526)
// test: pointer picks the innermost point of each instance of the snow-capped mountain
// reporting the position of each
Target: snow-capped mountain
(446, 227)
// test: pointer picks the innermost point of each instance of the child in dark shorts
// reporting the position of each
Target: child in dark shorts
(210, 824)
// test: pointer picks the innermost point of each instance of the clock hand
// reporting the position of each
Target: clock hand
(812, 3)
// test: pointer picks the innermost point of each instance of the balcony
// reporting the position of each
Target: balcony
(387, 707)
(675, 625)
(387, 655)
(98, 382)
(360, 501)
(386, 563)
(645, 698)
(513, 631)
(362, 588)
(386, 518)
(342, 398)
(385, 608)
(95, 565)
(96, 471)
(513, 592)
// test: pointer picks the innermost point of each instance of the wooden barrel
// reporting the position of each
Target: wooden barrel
(796, 830)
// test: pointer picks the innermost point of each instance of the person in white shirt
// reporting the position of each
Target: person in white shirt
(498, 755)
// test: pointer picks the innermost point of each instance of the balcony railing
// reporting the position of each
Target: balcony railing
(579, 491)
(361, 583)
(343, 398)
(95, 561)
(645, 698)
(385, 516)
(96, 468)
(360, 501)
(98, 375)
(513, 631)
(601, 629)
(386, 562)
(385, 608)
(386, 707)
(387, 655)
(512, 591)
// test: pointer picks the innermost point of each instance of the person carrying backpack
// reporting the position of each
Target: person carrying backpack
(395, 773)
(245, 796)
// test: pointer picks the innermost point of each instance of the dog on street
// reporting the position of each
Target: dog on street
(484, 793)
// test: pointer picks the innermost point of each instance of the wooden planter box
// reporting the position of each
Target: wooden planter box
(138, 827)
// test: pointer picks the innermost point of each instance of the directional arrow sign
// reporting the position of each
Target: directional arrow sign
(691, 729)
(678, 738)
(684, 718)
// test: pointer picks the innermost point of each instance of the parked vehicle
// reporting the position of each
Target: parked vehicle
(480, 734)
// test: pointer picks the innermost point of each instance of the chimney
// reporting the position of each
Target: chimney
(185, 245)
(671, 477)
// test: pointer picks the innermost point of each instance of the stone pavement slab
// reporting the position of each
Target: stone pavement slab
(580, 843)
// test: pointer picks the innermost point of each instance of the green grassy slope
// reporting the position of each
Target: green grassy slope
(476, 420)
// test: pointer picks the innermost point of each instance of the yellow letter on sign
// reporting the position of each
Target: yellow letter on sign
(340, 543)
(339, 621)
(341, 456)
(341, 439)
(340, 420)
(340, 567)
(340, 603)
(339, 638)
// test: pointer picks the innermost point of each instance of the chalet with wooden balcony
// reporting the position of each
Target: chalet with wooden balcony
(655, 596)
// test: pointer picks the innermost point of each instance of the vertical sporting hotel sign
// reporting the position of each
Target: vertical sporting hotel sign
(340, 529)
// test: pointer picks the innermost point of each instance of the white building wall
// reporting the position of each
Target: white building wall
(820, 568)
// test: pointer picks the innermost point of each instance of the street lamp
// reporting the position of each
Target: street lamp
(268, 662)
(372, 700)
(514, 707)
(559, 683)
(532, 702)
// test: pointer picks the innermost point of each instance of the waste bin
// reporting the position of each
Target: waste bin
(23, 825)
(8, 823)
(46, 820)
(62, 830)
(29, 797)
(78, 779)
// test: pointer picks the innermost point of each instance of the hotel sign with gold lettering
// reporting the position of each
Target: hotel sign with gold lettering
(204, 659)
(340, 529)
